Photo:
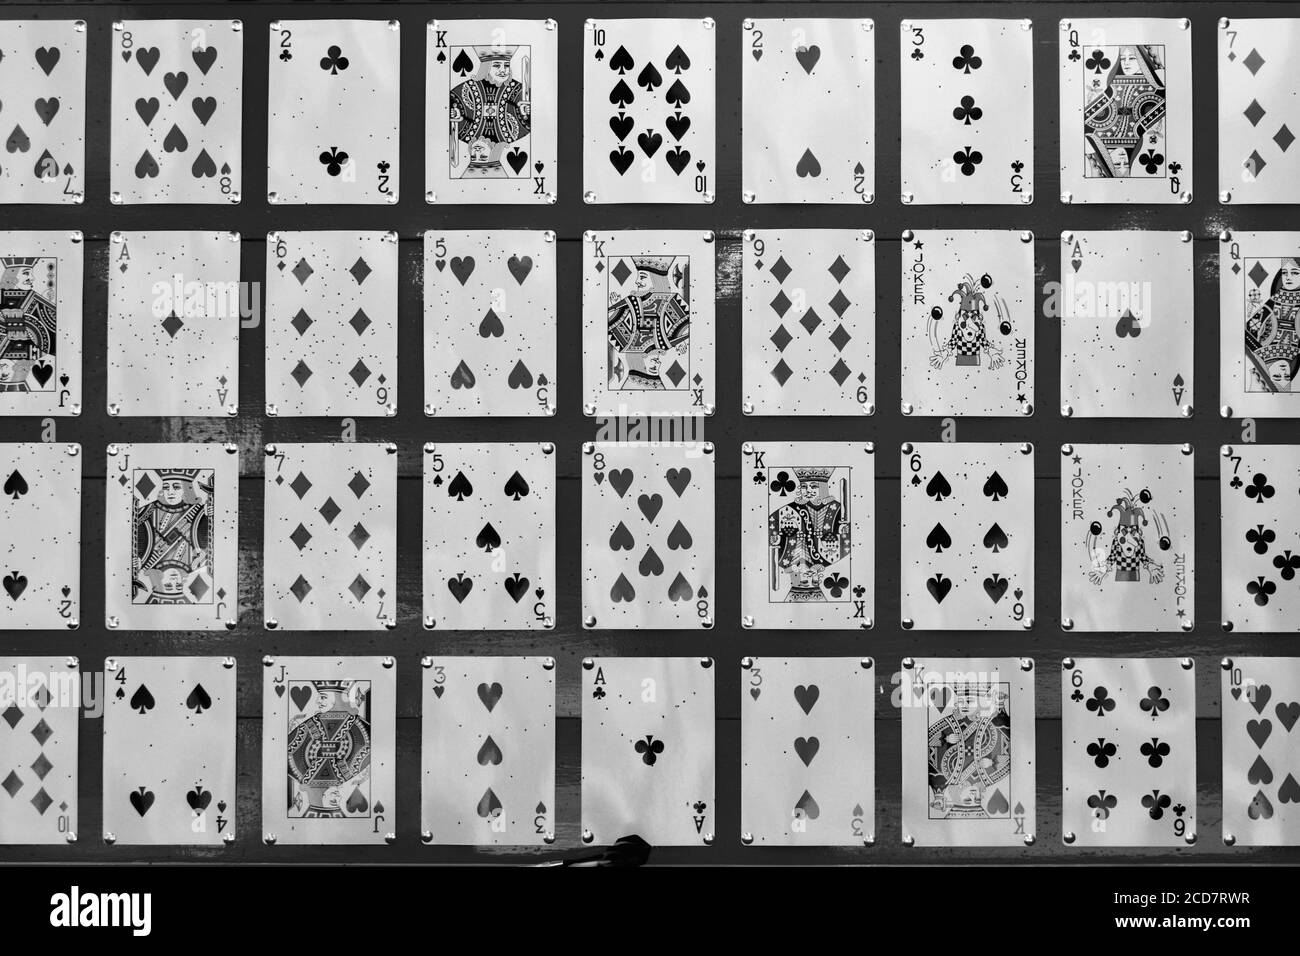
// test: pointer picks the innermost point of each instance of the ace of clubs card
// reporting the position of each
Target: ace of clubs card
(40, 527)
(1259, 314)
(1259, 111)
(1260, 539)
(1261, 751)
(40, 704)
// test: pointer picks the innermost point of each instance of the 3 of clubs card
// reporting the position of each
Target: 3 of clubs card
(1259, 111)
(1261, 751)
(40, 704)
(40, 297)
(40, 527)
(1259, 324)
(1261, 538)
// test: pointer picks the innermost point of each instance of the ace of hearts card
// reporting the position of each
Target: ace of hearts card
(1259, 324)
(1261, 751)
(40, 296)
(1259, 111)
(1260, 538)
(40, 705)
(40, 531)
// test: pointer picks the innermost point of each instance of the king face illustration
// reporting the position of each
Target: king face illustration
(1124, 112)
(28, 323)
(649, 326)
(970, 755)
(966, 339)
(1126, 556)
(809, 539)
(1272, 341)
(172, 517)
(490, 112)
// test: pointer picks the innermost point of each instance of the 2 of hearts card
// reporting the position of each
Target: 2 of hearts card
(40, 704)
(1259, 324)
(1261, 751)
(40, 295)
(1260, 538)
(40, 531)
(1259, 111)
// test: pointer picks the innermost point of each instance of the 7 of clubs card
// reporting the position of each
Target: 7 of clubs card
(1259, 111)
(1259, 324)
(1261, 751)
(40, 297)
(1261, 538)
(40, 527)
(40, 704)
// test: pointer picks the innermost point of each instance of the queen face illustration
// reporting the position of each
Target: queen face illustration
(1129, 63)
(1289, 275)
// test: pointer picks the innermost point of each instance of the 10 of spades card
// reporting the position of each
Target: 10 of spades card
(40, 703)
(488, 751)
(329, 741)
(968, 751)
(1128, 739)
(40, 536)
(1259, 111)
(40, 300)
(1127, 548)
(169, 750)
(490, 108)
(648, 750)
(1260, 537)
(1259, 324)
(1261, 751)
(808, 537)
(808, 751)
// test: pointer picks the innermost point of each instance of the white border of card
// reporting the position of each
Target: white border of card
(1258, 116)
(1260, 538)
(1258, 696)
(41, 754)
(41, 550)
(1001, 818)
(1258, 360)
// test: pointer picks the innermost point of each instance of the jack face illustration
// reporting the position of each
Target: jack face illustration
(172, 554)
(649, 325)
(964, 339)
(1272, 338)
(491, 112)
(1124, 111)
(1126, 557)
(28, 323)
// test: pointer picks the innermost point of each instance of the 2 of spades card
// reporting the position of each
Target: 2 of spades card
(649, 111)
(809, 336)
(490, 111)
(1126, 111)
(329, 739)
(40, 527)
(330, 528)
(333, 116)
(169, 750)
(1126, 324)
(40, 296)
(1261, 537)
(808, 538)
(1259, 111)
(1128, 739)
(648, 323)
(177, 101)
(1127, 538)
(1259, 324)
(40, 703)
(331, 323)
(488, 751)
(968, 322)
(648, 750)
(489, 323)
(979, 149)
(1261, 751)
(489, 536)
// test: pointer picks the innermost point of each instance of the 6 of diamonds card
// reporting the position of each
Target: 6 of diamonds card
(40, 535)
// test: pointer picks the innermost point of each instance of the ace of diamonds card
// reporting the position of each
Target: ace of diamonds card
(1261, 751)
(40, 703)
(1261, 537)
(1259, 111)
(40, 536)
(1259, 324)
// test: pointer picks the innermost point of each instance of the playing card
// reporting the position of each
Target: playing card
(968, 752)
(1261, 537)
(171, 537)
(1259, 111)
(489, 323)
(331, 323)
(329, 740)
(173, 323)
(1126, 324)
(40, 297)
(333, 115)
(647, 750)
(808, 538)
(648, 323)
(176, 111)
(43, 74)
(809, 121)
(1128, 736)
(1259, 324)
(40, 531)
(968, 535)
(809, 331)
(169, 750)
(808, 751)
(488, 751)
(1126, 111)
(647, 535)
(968, 118)
(1261, 751)
(490, 91)
(40, 701)
(649, 111)
(1127, 549)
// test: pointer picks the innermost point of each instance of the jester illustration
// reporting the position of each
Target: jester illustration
(490, 113)
(809, 538)
(27, 323)
(1127, 557)
(970, 753)
(649, 327)
(1272, 340)
(966, 340)
(1124, 112)
(329, 749)
(172, 516)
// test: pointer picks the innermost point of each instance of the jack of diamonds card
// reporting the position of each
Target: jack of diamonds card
(1259, 111)
(40, 703)
(967, 121)
(1261, 538)
(333, 116)
(329, 741)
(808, 537)
(1128, 741)
(40, 531)
(1126, 111)
(169, 751)
(1259, 324)
(40, 300)
(1127, 545)
(490, 111)
(488, 751)
(968, 322)
(1261, 751)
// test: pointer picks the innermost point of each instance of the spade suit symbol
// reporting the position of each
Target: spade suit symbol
(937, 487)
(938, 539)
(142, 701)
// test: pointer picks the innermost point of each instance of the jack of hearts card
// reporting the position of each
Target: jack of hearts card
(40, 535)
(1259, 111)
(1259, 324)
(40, 297)
(40, 706)
(1261, 751)
(1260, 538)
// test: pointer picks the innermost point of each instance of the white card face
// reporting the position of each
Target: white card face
(968, 752)
(488, 752)
(968, 119)
(1128, 741)
(333, 112)
(489, 323)
(647, 750)
(1261, 537)
(1126, 325)
(171, 537)
(808, 538)
(1261, 751)
(40, 702)
(1126, 111)
(40, 536)
(40, 294)
(1259, 111)
(808, 751)
(801, 145)
(44, 125)
(331, 323)
(489, 536)
(648, 323)
(331, 537)
(647, 535)
(169, 751)
(329, 733)
(809, 336)
(968, 323)
(490, 111)
(1259, 324)
(968, 536)
(177, 103)
(1127, 548)
(649, 111)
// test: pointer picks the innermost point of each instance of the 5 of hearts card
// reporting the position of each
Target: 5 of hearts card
(1261, 751)
(40, 297)
(1259, 111)
(40, 706)
(40, 527)
(1259, 324)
